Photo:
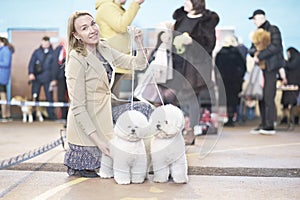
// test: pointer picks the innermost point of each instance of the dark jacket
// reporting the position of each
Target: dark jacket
(232, 68)
(292, 69)
(37, 57)
(204, 32)
(195, 64)
(273, 54)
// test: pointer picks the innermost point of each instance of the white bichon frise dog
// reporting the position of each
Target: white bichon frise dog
(168, 147)
(128, 161)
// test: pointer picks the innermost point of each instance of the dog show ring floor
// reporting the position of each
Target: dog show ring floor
(233, 164)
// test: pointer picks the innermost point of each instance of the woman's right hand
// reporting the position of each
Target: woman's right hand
(104, 148)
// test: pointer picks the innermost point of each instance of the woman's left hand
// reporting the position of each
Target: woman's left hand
(138, 35)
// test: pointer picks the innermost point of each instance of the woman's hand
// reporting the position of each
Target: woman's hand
(138, 35)
(103, 146)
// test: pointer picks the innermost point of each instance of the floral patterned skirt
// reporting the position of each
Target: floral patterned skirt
(89, 157)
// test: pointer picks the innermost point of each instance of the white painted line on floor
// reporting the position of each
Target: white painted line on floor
(248, 148)
(55, 190)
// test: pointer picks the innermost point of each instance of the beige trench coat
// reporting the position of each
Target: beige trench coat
(90, 94)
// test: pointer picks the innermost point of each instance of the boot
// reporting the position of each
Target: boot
(284, 119)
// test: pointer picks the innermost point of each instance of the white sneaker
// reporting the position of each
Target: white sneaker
(255, 131)
(267, 131)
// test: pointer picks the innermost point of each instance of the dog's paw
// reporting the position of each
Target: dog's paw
(122, 182)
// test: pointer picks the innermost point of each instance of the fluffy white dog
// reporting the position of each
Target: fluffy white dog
(168, 147)
(128, 161)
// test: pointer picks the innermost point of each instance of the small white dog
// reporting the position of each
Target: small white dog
(168, 147)
(27, 111)
(128, 161)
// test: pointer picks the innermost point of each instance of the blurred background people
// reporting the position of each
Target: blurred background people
(6, 51)
(232, 68)
(159, 71)
(58, 66)
(292, 71)
(273, 58)
(113, 20)
(194, 40)
(41, 73)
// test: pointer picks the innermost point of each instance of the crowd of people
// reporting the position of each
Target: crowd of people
(87, 71)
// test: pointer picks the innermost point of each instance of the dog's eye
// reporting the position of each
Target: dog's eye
(128, 126)
(166, 121)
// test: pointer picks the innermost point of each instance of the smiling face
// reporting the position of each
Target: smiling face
(86, 31)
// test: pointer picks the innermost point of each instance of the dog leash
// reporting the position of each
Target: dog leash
(131, 31)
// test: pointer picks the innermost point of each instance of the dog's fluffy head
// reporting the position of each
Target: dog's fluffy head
(131, 125)
(261, 39)
(18, 98)
(166, 121)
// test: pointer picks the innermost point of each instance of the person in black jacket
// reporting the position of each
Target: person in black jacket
(193, 43)
(40, 73)
(273, 57)
(232, 68)
(292, 70)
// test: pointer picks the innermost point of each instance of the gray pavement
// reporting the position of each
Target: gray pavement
(231, 165)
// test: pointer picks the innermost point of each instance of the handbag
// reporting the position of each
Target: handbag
(254, 88)
(38, 67)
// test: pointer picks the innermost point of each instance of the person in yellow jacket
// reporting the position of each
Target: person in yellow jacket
(113, 21)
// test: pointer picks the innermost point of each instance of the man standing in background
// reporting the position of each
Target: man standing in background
(41, 73)
(272, 55)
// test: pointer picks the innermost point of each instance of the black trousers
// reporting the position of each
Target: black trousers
(267, 106)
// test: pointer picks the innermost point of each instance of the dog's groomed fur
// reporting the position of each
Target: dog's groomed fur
(168, 147)
(128, 161)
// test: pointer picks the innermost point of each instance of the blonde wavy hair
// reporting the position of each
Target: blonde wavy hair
(72, 42)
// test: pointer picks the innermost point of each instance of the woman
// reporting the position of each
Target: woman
(232, 68)
(6, 51)
(292, 69)
(194, 41)
(89, 74)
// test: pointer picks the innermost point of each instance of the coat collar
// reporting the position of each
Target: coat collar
(95, 63)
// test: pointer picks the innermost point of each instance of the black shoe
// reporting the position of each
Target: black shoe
(296, 120)
(88, 173)
(284, 120)
(229, 124)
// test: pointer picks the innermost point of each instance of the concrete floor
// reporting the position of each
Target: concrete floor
(231, 165)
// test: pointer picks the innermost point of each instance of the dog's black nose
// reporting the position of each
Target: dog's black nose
(132, 130)
(158, 126)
